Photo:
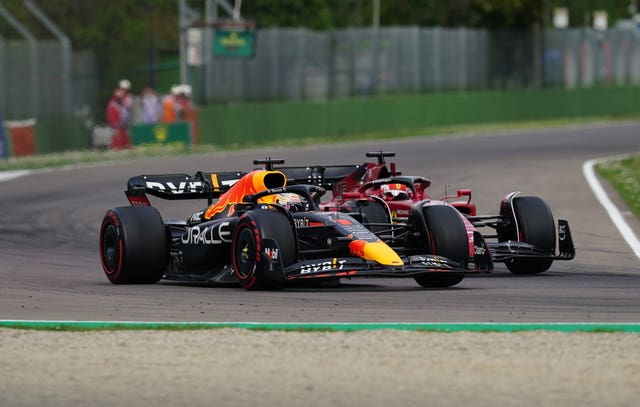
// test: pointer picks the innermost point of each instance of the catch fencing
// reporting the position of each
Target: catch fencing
(44, 91)
(301, 64)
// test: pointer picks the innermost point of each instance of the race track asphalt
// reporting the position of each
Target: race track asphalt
(49, 221)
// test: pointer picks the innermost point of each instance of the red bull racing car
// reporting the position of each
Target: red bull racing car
(262, 231)
(522, 235)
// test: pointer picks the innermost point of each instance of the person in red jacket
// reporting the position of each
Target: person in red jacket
(117, 120)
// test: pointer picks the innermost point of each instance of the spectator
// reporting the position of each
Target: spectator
(183, 98)
(151, 105)
(127, 99)
(117, 120)
(188, 111)
(170, 106)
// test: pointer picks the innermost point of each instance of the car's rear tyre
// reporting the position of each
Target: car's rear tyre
(443, 233)
(133, 245)
(536, 227)
(252, 229)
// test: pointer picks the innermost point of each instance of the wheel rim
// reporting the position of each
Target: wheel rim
(110, 249)
(244, 254)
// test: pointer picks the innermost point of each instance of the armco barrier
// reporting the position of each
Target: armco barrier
(22, 136)
(4, 147)
(243, 123)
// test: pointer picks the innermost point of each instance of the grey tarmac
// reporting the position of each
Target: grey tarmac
(50, 269)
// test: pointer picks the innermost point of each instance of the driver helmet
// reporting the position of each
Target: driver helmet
(395, 192)
(289, 200)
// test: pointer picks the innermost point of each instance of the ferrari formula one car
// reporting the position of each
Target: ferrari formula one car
(522, 235)
(261, 232)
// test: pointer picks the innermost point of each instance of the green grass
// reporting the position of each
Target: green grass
(624, 175)
(95, 156)
(322, 327)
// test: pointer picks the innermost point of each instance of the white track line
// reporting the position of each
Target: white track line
(612, 210)
(9, 175)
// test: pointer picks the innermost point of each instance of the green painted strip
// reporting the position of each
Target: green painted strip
(325, 326)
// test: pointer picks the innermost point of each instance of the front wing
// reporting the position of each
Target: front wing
(348, 267)
(503, 251)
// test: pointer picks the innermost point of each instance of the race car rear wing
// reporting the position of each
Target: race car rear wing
(320, 175)
(202, 185)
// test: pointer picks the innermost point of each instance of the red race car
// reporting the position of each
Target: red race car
(522, 235)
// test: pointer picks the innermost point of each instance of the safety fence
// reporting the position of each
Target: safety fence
(46, 89)
(301, 64)
(348, 81)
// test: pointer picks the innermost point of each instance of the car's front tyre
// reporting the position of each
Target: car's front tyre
(536, 227)
(248, 247)
(441, 232)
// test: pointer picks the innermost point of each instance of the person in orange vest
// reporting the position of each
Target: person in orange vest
(170, 106)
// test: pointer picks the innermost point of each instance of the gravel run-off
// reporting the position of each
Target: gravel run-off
(239, 367)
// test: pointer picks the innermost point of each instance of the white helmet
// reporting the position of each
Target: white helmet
(186, 89)
(124, 84)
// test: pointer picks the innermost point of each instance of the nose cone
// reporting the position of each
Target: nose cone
(375, 251)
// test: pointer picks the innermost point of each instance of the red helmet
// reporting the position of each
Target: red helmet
(395, 192)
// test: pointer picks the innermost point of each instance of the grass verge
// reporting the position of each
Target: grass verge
(624, 176)
(323, 326)
(96, 156)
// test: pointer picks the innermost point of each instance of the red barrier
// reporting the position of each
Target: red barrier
(22, 135)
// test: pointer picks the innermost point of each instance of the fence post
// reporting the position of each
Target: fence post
(65, 52)
(2, 77)
(462, 44)
(436, 59)
(349, 32)
(33, 47)
(301, 60)
(275, 67)
(375, 63)
(331, 65)
(210, 14)
(417, 59)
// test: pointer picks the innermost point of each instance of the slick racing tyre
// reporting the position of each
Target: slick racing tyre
(536, 227)
(444, 234)
(133, 245)
(248, 254)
